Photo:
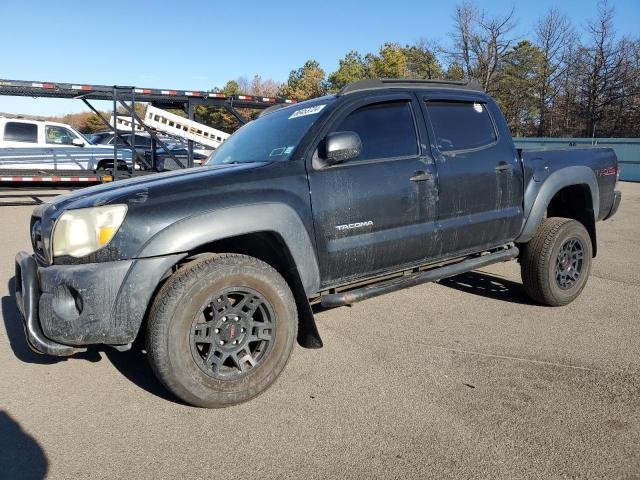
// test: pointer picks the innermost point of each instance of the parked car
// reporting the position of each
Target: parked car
(165, 162)
(385, 185)
(44, 145)
(143, 146)
(100, 138)
(141, 141)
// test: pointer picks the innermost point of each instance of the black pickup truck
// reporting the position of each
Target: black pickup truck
(385, 185)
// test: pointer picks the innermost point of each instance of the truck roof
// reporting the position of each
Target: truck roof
(37, 122)
(370, 84)
(382, 83)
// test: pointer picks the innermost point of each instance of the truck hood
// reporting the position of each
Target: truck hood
(133, 189)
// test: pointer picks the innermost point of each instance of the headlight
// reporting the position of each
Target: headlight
(83, 231)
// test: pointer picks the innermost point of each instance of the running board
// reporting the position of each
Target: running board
(373, 290)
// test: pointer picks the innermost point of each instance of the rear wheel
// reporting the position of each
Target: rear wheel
(556, 263)
(221, 330)
(105, 167)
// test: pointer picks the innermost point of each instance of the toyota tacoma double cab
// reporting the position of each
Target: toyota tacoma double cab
(385, 185)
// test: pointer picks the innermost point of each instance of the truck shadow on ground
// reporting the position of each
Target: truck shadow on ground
(132, 364)
(489, 286)
(20, 454)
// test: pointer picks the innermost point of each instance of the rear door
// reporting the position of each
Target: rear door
(376, 212)
(479, 175)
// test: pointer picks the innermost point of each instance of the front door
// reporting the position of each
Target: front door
(67, 155)
(377, 212)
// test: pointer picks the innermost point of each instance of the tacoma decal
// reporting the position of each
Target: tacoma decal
(350, 226)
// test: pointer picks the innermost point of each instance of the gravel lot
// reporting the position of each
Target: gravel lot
(463, 379)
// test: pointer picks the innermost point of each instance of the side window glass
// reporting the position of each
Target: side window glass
(386, 129)
(461, 125)
(128, 138)
(20, 132)
(142, 141)
(59, 135)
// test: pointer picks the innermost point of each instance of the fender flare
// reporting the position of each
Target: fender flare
(538, 195)
(192, 232)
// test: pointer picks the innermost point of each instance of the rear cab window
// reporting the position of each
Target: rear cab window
(461, 125)
(21, 132)
(387, 130)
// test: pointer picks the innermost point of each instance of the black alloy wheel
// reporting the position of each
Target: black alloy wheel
(569, 263)
(232, 333)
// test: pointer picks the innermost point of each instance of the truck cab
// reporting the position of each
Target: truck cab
(437, 175)
(43, 145)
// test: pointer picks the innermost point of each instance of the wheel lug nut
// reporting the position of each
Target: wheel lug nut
(224, 319)
(221, 342)
(235, 342)
(217, 330)
(242, 330)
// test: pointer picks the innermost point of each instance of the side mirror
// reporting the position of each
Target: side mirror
(77, 142)
(342, 146)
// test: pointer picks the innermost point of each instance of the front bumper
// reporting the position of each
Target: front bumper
(27, 297)
(65, 307)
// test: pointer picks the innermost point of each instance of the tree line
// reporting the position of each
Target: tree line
(565, 80)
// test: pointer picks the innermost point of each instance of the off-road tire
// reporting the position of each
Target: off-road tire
(538, 261)
(178, 303)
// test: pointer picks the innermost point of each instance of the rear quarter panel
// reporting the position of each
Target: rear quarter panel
(548, 171)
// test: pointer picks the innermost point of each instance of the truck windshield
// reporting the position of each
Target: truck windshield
(272, 138)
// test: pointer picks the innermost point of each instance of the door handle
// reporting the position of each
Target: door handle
(421, 176)
(504, 167)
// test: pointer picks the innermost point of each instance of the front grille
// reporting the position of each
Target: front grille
(37, 240)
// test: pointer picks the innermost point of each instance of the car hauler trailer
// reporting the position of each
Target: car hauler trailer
(126, 97)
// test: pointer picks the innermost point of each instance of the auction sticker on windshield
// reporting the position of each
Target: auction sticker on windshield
(307, 111)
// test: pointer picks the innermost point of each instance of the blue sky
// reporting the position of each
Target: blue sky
(201, 44)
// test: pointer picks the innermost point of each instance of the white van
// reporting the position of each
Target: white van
(42, 145)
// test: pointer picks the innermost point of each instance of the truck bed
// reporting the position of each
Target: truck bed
(540, 164)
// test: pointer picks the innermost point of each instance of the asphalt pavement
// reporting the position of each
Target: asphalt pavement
(461, 379)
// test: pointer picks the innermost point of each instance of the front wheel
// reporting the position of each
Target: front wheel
(556, 262)
(221, 330)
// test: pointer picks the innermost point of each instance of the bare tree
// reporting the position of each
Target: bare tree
(465, 19)
(577, 86)
(604, 70)
(554, 36)
(267, 87)
(494, 44)
(622, 108)
(481, 42)
(564, 106)
(243, 85)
